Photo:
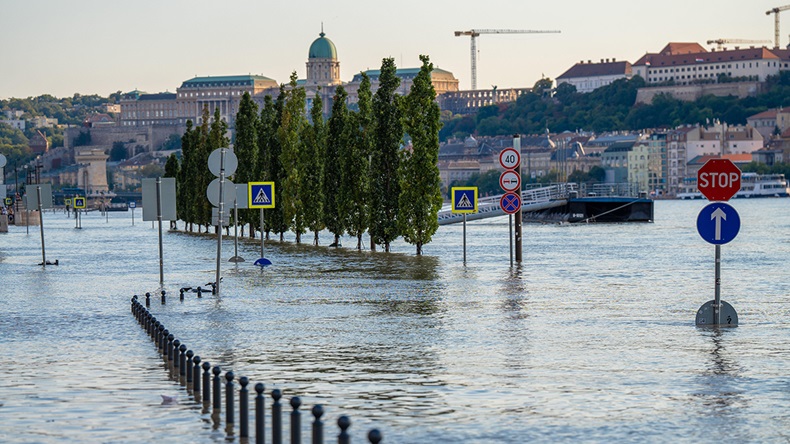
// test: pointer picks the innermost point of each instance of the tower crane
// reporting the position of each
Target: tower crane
(720, 42)
(474, 33)
(775, 12)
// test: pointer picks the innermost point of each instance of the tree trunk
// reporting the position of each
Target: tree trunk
(372, 244)
(315, 241)
(419, 248)
(359, 242)
(387, 247)
(298, 237)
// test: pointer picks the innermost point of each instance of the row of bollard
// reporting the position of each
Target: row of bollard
(199, 290)
(185, 365)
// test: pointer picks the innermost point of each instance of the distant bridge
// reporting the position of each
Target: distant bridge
(532, 199)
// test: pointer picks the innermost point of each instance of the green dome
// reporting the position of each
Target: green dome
(322, 48)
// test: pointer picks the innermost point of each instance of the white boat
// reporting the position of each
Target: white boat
(752, 185)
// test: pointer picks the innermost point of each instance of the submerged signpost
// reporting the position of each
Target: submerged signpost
(510, 181)
(159, 203)
(221, 162)
(261, 195)
(464, 202)
(718, 223)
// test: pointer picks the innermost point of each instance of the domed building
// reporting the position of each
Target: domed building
(323, 68)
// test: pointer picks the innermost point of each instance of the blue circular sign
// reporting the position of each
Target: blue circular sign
(718, 223)
(510, 203)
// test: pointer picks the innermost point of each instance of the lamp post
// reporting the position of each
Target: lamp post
(39, 166)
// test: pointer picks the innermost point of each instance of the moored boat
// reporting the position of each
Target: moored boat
(752, 185)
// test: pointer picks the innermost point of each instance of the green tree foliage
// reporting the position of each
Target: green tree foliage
(187, 176)
(384, 165)
(217, 138)
(289, 132)
(118, 152)
(171, 143)
(83, 138)
(420, 198)
(269, 163)
(313, 146)
(14, 146)
(246, 150)
(355, 163)
(333, 177)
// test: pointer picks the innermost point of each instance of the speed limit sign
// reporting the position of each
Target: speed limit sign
(509, 158)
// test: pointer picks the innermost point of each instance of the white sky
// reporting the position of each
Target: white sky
(63, 47)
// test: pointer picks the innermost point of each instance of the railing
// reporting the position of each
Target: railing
(184, 365)
(532, 199)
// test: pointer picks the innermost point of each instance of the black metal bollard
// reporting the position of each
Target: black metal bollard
(200, 292)
(217, 395)
(229, 420)
(277, 417)
(190, 353)
(176, 359)
(163, 297)
(206, 383)
(181, 295)
(344, 422)
(148, 299)
(260, 414)
(296, 421)
(196, 376)
(318, 426)
(182, 359)
(155, 332)
(374, 436)
(169, 345)
(163, 345)
(244, 408)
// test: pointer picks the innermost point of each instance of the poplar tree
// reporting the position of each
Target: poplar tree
(271, 118)
(420, 198)
(289, 133)
(383, 179)
(336, 128)
(313, 143)
(356, 164)
(217, 138)
(246, 150)
(171, 170)
(202, 174)
(186, 206)
(267, 135)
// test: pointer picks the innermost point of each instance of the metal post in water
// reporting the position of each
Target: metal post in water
(262, 232)
(260, 414)
(517, 147)
(344, 422)
(296, 421)
(41, 225)
(182, 359)
(244, 408)
(464, 238)
(318, 425)
(189, 372)
(159, 219)
(717, 301)
(220, 213)
(196, 377)
(206, 383)
(277, 417)
(216, 389)
(510, 240)
(229, 419)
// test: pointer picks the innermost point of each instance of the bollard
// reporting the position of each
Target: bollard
(296, 421)
(148, 299)
(163, 297)
(169, 347)
(160, 331)
(344, 422)
(181, 295)
(260, 414)
(318, 426)
(200, 292)
(277, 417)
(155, 332)
(374, 436)
(216, 388)
(176, 344)
(196, 377)
(165, 336)
(206, 383)
(244, 414)
(182, 359)
(229, 420)
(190, 353)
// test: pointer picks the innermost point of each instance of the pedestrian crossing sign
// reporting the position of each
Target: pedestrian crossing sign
(260, 194)
(79, 202)
(464, 200)
(67, 201)
(8, 201)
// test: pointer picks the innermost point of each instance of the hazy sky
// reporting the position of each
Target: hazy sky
(63, 47)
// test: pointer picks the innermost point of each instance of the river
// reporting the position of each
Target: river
(590, 339)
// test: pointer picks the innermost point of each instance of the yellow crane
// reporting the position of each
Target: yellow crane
(720, 42)
(474, 33)
(775, 12)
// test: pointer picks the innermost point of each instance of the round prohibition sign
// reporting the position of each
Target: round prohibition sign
(510, 181)
(510, 203)
(509, 158)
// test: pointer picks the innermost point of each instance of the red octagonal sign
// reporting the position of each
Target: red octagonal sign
(719, 179)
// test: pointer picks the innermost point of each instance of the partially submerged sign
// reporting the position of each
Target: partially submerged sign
(167, 197)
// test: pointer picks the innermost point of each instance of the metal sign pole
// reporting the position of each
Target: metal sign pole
(262, 232)
(510, 239)
(220, 213)
(717, 301)
(159, 220)
(132, 216)
(41, 224)
(236, 230)
(517, 147)
(464, 238)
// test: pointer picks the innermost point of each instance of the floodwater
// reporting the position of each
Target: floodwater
(591, 339)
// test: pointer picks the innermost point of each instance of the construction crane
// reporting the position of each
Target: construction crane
(720, 42)
(474, 33)
(775, 12)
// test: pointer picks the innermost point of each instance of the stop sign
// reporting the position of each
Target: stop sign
(719, 179)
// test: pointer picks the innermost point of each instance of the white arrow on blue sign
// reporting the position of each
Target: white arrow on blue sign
(718, 223)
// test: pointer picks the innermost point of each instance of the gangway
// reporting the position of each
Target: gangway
(532, 199)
